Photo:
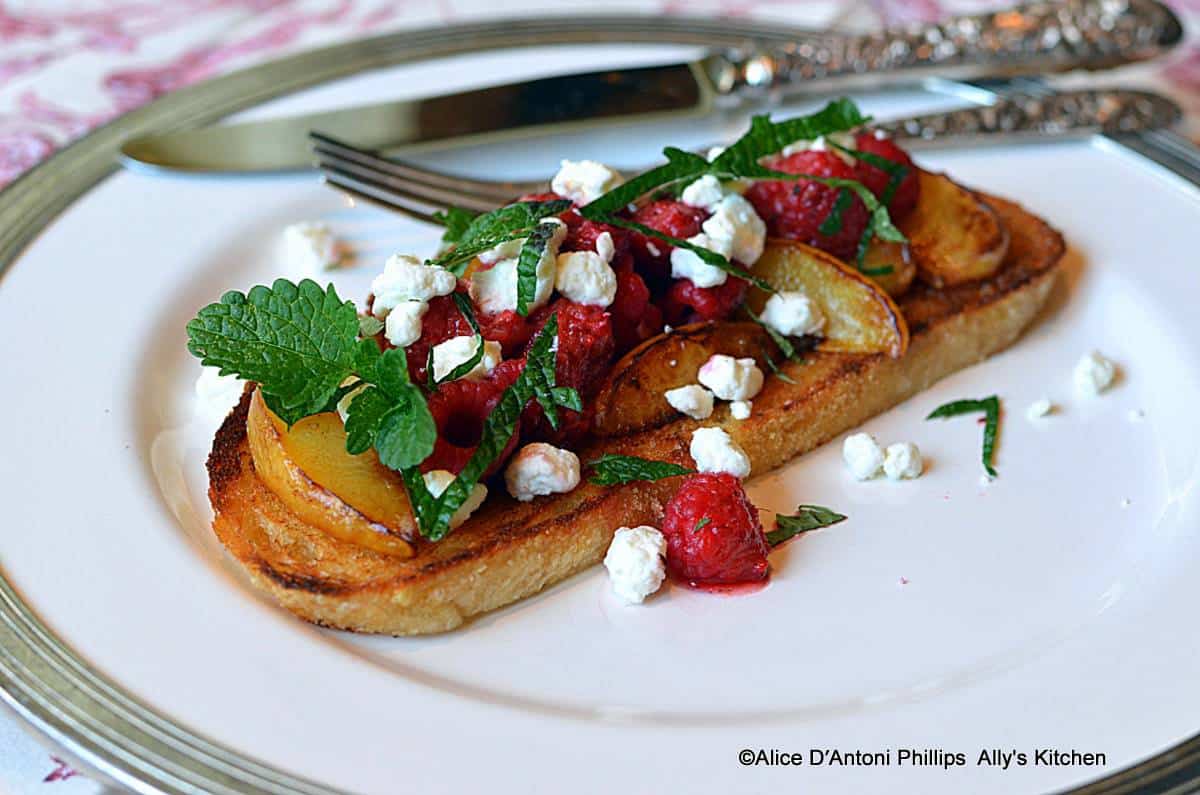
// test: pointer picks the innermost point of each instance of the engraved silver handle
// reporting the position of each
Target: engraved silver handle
(1017, 117)
(1032, 38)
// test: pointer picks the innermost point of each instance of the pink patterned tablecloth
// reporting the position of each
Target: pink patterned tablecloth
(67, 66)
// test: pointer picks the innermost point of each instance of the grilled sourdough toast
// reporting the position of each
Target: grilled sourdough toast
(509, 550)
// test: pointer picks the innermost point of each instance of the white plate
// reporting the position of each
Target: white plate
(1051, 608)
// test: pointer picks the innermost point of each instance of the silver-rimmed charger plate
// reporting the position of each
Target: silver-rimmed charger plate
(1041, 611)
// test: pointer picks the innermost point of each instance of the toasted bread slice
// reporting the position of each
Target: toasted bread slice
(511, 550)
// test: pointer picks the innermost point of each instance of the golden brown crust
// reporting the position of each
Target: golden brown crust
(511, 550)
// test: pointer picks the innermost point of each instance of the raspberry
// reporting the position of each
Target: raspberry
(507, 328)
(687, 303)
(729, 548)
(634, 318)
(459, 409)
(582, 234)
(442, 322)
(585, 351)
(670, 217)
(907, 192)
(797, 209)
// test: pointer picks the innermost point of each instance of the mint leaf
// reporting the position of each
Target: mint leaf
(434, 513)
(700, 525)
(680, 166)
(808, 517)
(369, 325)
(766, 138)
(541, 368)
(614, 470)
(390, 415)
(457, 221)
(833, 222)
(991, 408)
(296, 341)
(489, 230)
(460, 370)
(527, 265)
(464, 307)
(783, 343)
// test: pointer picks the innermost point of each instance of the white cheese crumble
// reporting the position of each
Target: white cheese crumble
(863, 456)
(635, 562)
(583, 181)
(734, 220)
(692, 400)
(586, 278)
(406, 278)
(822, 144)
(539, 469)
(1093, 373)
(403, 325)
(494, 289)
(439, 480)
(902, 461)
(714, 451)
(714, 153)
(654, 250)
(793, 314)
(1039, 408)
(740, 409)
(605, 247)
(687, 264)
(458, 350)
(703, 193)
(310, 246)
(730, 378)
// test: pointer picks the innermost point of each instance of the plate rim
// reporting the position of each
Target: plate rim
(97, 723)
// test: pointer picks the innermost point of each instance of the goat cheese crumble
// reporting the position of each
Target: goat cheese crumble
(406, 278)
(494, 289)
(1094, 373)
(730, 378)
(823, 143)
(740, 409)
(863, 456)
(403, 325)
(734, 220)
(438, 480)
(636, 562)
(902, 461)
(458, 350)
(714, 451)
(686, 264)
(703, 193)
(585, 277)
(310, 246)
(583, 181)
(793, 314)
(539, 469)
(693, 400)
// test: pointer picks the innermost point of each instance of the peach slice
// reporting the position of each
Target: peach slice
(860, 317)
(954, 235)
(354, 498)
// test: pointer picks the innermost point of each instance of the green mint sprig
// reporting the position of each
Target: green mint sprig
(300, 342)
(527, 264)
(457, 221)
(489, 230)
(783, 343)
(808, 517)
(615, 470)
(990, 406)
(464, 307)
(434, 513)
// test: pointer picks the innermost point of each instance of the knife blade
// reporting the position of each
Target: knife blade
(1029, 39)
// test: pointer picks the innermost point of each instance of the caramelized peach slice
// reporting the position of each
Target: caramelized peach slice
(884, 254)
(955, 236)
(859, 315)
(354, 498)
(632, 397)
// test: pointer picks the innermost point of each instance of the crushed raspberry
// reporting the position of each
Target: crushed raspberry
(548, 196)
(634, 318)
(905, 196)
(670, 217)
(687, 303)
(507, 372)
(582, 234)
(729, 548)
(459, 409)
(443, 321)
(797, 209)
(507, 328)
(585, 351)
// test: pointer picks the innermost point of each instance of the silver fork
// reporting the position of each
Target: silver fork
(1034, 114)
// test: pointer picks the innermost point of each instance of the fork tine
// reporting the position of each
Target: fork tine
(385, 200)
(498, 192)
(404, 188)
